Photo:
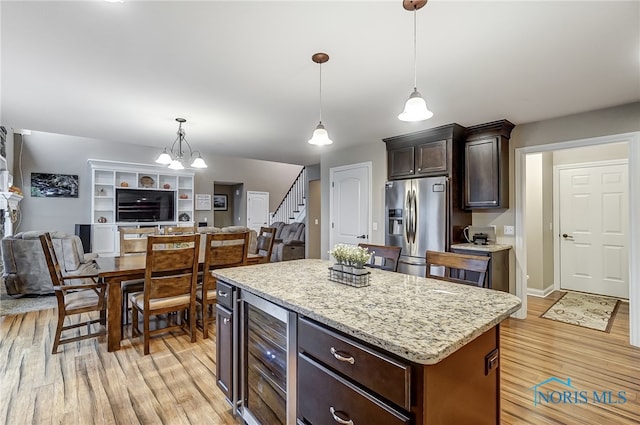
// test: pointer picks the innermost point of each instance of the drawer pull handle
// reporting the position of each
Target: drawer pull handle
(225, 320)
(340, 357)
(222, 294)
(339, 419)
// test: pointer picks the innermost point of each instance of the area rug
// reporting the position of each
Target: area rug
(586, 310)
(18, 305)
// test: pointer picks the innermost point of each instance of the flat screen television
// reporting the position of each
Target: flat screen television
(145, 205)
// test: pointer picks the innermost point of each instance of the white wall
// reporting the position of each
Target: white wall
(533, 213)
(56, 153)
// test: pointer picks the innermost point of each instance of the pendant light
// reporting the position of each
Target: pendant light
(320, 136)
(415, 109)
(176, 156)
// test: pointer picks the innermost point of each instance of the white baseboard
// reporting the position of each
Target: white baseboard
(540, 292)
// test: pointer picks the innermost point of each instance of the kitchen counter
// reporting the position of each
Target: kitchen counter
(418, 319)
(493, 247)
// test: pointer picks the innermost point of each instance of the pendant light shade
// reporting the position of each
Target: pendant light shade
(320, 135)
(415, 109)
(177, 155)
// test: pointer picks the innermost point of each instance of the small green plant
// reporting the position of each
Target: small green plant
(340, 252)
(359, 256)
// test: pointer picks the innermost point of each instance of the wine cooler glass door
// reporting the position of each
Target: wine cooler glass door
(268, 358)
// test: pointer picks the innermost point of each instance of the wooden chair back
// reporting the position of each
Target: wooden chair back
(86, 292)
(458, 268)
(384, 257)
(226, 250)
(221, 250)
(266, 237)
(133, 240)
(179, 230)
(171, 266)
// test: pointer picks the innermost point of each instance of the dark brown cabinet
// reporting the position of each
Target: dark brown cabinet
(224, 338)
(498, 271)
(433, 152)
(224, 350)
(401, 162)
(486, 166)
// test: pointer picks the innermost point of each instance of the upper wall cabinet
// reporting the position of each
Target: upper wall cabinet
(433, 152)
(486, 170)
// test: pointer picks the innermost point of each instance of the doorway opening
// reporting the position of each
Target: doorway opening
(227, 204)
(633, 140)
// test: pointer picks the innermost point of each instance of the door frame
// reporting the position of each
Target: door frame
(633, 140)
(556, 208)
(369, 166)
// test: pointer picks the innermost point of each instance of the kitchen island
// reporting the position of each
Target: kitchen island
(411, 348)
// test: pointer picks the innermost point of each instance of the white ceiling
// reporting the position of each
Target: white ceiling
(241, 72)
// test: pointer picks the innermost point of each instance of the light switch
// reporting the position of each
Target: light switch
(374, 225)
(509, 230)
(316, 221)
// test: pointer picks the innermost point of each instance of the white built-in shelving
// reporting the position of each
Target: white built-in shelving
(109, 176)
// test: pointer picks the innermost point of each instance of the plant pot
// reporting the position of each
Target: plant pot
(337, 267)
(347, 269)
(359, 272)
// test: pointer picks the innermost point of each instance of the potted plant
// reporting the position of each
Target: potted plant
(339, 252)
(359, 257)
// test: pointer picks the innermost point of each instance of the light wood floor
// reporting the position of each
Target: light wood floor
(176, 383)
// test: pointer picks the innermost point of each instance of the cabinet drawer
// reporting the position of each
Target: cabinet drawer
(381, 374)
(324, 396)
(224, 294)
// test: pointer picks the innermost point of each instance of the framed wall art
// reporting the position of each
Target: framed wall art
(44, 185)
(220, 202)
(203, 202)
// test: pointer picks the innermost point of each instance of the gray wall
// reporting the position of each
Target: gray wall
(56, 153)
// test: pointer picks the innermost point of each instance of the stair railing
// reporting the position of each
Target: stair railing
(292, 201)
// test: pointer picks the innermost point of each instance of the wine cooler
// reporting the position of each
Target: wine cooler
(268, 359)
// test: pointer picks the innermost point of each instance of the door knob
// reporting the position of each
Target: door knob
(564, 235)
(361, 237)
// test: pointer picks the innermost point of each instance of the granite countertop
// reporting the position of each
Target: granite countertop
(419, 319)
(492, 247)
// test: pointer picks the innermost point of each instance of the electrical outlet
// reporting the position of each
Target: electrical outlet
(509, 230)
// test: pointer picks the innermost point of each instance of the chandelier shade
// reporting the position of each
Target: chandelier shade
(320, 135)
(176, 156)
(415, 108)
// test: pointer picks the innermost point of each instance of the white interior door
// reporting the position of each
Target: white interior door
(257, 210)
(593, 210)
(350, 204)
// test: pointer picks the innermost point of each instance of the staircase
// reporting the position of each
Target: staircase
(292, 208)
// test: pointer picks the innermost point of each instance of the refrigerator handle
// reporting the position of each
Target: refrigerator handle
(407, 218)
(414, 219)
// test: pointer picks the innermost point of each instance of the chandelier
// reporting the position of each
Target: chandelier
(415, 109)
(176, 156)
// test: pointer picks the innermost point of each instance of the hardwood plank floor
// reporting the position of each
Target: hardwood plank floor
(176, 384)
(536, 349)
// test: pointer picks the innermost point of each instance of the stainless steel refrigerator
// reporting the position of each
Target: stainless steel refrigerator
(416, 219)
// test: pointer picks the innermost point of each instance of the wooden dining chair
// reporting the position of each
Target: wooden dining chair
(384, 257)
(169, 285)
(264, 246)
(76, 294)
(458, 268)
(133, 240)
(221, 250)
(178, 230)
